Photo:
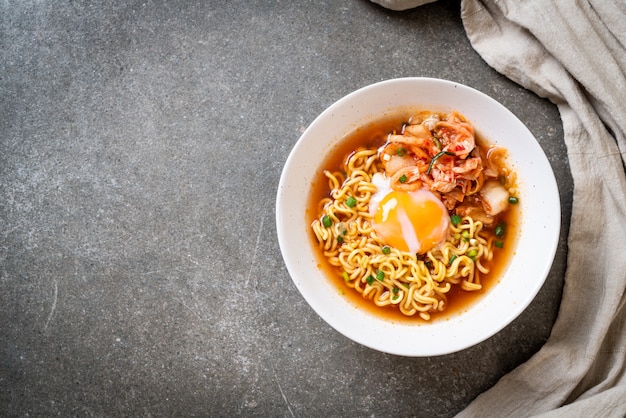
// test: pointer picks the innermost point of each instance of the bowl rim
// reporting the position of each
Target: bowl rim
(339, 118)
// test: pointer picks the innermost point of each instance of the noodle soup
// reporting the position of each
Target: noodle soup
(414, 216)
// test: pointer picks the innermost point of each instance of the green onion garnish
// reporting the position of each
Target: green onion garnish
(339, 239)
(499, 244)
(346, 277)
(435, 158)
(437, 142)
(326, 221)
(351, 202)
(500, 229)
(386, 249)
(513, 200)
(454, 257)
(380, 276)
(472, 253)
(401, 152)
(403, 179)
(370, 279)
(455, 219)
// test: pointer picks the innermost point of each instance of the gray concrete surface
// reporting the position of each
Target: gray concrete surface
(141, 143)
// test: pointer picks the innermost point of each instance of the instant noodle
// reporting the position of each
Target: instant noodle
(416, 215)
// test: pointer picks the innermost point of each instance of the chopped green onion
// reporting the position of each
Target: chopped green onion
(500, 229)
(435, 158)
(466, 235)
(386, 249)
(401, 152)
(340, 239)
(380, 276)
(370, 279)
(437, 142)
(395, 290)
(403, 179)
(513, 200)
(454, 257)
(395, 297)
(499, 244)
(455, 219)
(472, 253)
(351, 202)
(326, 221)
(346, 277)
(405, 285)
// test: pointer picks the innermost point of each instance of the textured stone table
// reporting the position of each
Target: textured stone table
(141, 145)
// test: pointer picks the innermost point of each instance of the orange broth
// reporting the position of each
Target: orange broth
(374, 134)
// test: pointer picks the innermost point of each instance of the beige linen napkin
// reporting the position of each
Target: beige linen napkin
(574, 54)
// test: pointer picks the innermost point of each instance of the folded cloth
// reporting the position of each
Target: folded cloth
(574, 54)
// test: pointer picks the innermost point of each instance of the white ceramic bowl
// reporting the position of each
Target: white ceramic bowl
(538, 237)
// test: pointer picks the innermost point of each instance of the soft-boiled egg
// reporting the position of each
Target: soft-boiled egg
(414, 221)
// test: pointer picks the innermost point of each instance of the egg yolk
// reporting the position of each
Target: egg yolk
(411, 221)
